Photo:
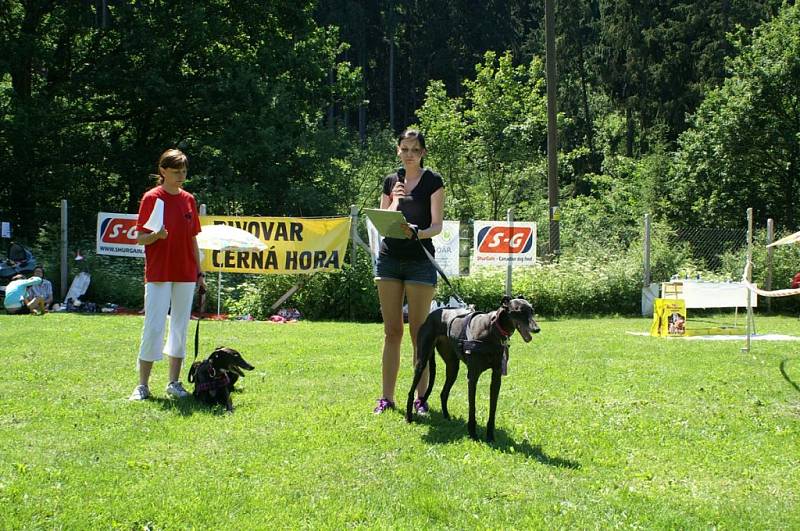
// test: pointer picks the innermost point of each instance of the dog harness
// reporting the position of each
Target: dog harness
(466, 344)
(218, 380)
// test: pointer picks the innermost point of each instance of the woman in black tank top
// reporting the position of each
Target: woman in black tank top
(403, 270)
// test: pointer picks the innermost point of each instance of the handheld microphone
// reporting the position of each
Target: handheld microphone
(401, 177)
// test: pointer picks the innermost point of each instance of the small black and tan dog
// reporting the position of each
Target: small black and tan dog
(213, 378)
(478, 339)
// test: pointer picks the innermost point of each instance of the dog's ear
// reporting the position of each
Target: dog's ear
(219, 351)
(504, 301)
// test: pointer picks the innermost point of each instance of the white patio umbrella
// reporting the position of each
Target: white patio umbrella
(227, 238)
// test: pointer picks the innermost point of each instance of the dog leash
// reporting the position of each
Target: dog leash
(436, 265)
(196, 338)
(201, 292)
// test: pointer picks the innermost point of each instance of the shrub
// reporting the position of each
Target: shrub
(348, 294)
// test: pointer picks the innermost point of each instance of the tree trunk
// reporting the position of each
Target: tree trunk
(391, 64)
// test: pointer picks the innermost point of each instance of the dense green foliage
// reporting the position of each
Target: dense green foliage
(744, 148)
(596, 428)
(86, 107)
(683, 109)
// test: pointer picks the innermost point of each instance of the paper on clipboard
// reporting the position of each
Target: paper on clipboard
(387, 222)
(156, 220)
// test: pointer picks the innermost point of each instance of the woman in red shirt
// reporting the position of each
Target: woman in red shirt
(171, 271)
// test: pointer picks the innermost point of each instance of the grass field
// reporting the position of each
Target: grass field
(596, 429)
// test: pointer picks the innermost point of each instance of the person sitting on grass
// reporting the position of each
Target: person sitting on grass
(18, 301)
(44, 290)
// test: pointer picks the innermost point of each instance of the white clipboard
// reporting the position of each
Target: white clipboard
(388, 222)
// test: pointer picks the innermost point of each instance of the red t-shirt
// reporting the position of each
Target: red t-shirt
(171, 259)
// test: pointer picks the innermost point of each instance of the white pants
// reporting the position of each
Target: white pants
(159, 297)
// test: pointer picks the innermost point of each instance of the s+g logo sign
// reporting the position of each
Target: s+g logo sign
(118, 231)
(505, 240)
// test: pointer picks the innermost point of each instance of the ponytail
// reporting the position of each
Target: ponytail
(171, 158)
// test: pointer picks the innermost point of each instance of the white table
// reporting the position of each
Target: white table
(702, 294)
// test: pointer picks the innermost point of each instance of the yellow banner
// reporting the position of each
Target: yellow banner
(294, 245)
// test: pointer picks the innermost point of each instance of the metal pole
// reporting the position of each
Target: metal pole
(749, 277)
(646, 276)
(390, 16)
(509, 268)
(770, 252)
(64, 245)
(552, 133)
(202, 211)
(353, 250)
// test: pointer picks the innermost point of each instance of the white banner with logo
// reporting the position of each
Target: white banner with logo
(445, 243)
(116, 235)
(498, 243)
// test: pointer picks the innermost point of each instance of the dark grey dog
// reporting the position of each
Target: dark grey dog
(480, 340)
(214, 377)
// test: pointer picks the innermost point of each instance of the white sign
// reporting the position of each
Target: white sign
(5, 231)
(498, 243)
(116, 235)
(446, 245)
(702, 294)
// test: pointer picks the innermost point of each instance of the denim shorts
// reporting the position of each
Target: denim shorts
(416, 270)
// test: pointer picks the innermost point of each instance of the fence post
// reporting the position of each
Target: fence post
(64, 245)
(509, 268)
(646, 275)
(770, 251)
(749, 278)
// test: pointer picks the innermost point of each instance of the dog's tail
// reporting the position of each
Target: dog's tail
(431, 376)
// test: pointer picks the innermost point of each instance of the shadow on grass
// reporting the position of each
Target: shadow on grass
(443, 431)
(786, 376)
(187, 406)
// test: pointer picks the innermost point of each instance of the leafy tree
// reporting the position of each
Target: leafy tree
(240, 84)
(744, 145)
(656, 58)
(490, 143)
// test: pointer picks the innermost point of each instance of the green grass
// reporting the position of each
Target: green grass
(596, 428)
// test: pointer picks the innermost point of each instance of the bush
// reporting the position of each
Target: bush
(348, 294)
(573, 286)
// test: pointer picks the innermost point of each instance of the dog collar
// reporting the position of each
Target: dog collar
(501, 330)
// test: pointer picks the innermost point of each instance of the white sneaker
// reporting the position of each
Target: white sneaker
(176, 390)
(141, 392)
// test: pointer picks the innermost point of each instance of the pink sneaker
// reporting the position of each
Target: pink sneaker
(383, 405)
(421, 407)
